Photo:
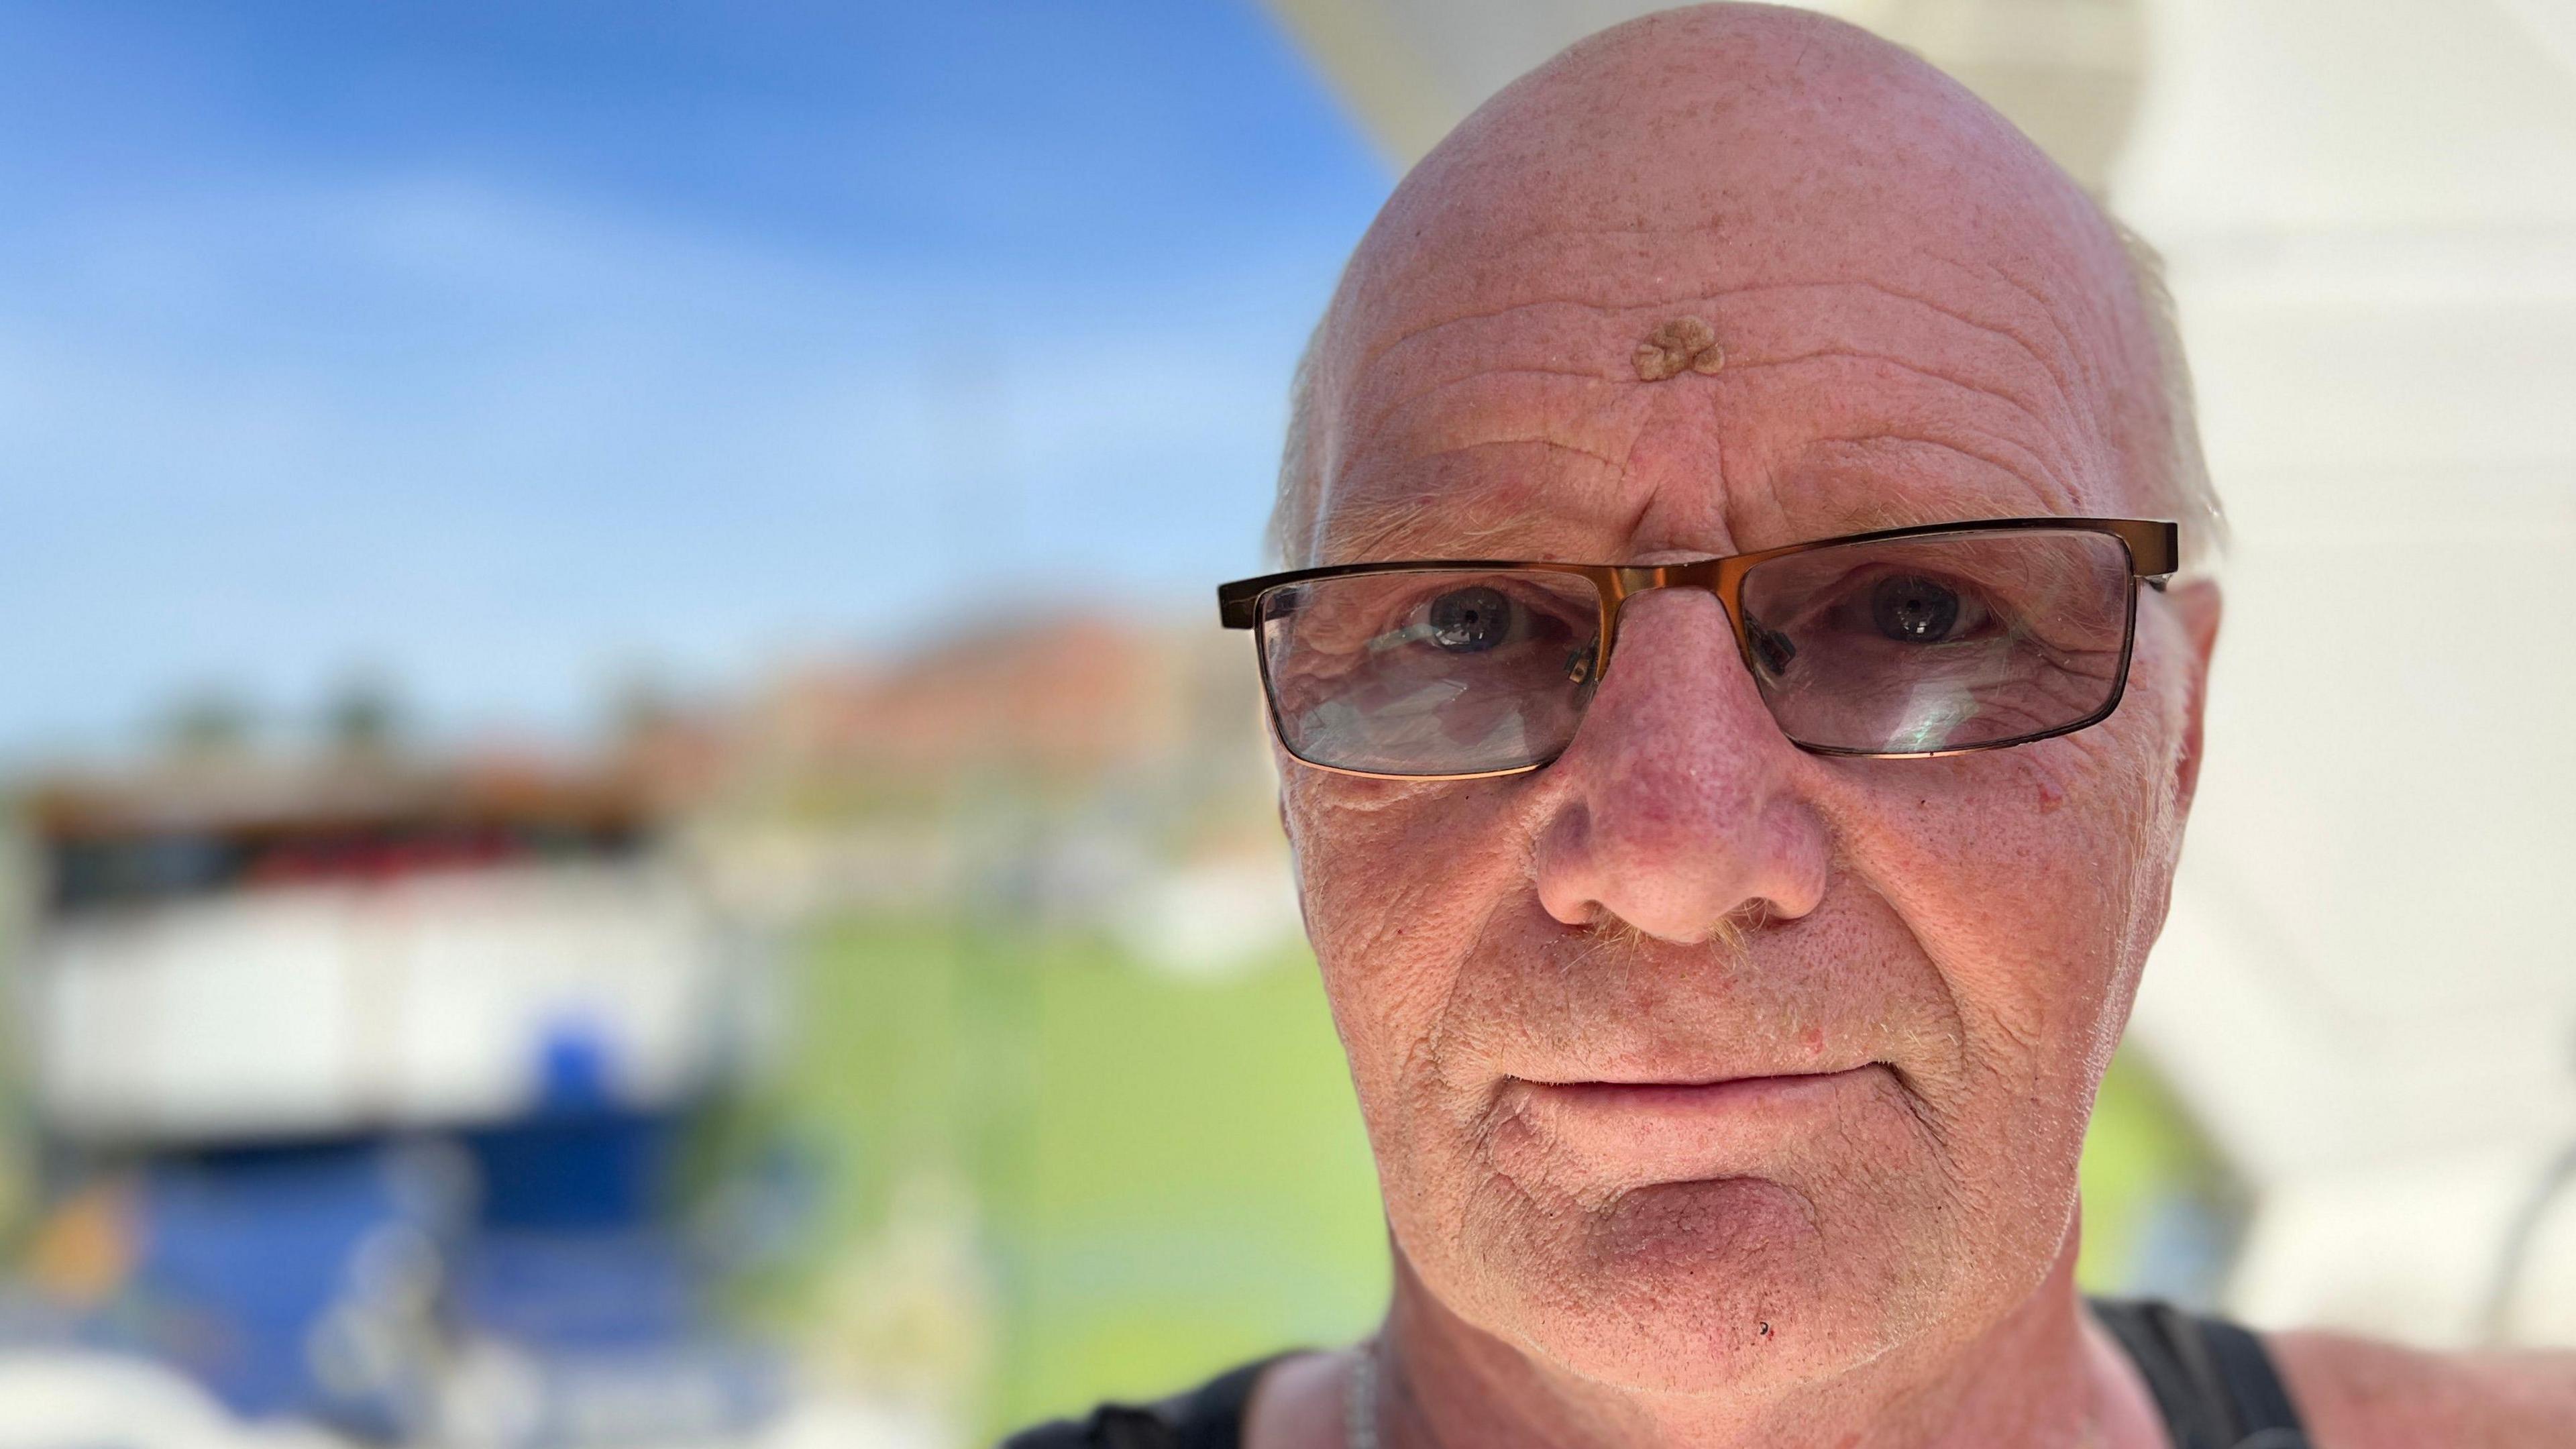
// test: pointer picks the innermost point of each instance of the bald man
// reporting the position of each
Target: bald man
(1738, 692)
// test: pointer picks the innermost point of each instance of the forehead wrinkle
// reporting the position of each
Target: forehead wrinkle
(1358, 441)
(1956, 314)
(1727, 272)
(1551, 380)
(2081, 279)
(2070, 434)
(1842, 478)
(2036, 460)
(1472, 490)
(2041, 304)
(2037, 482)
(1477, 374)
(2056, 368)
(1585, 417)
(2065, 437)
(2092, 400)
(1421, 333)
(1881, 359)
(1504, 242)
(1527, 495)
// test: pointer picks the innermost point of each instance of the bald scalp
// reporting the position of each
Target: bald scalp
(1664, 169)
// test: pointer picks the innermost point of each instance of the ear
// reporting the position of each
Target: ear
(2196, 605)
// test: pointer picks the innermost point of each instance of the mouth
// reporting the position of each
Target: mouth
(1691, 1128)
(1682, 1095)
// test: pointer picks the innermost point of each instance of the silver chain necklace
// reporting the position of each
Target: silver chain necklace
(1359, 1400)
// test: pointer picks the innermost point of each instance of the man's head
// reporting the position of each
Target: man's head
(1713, 282)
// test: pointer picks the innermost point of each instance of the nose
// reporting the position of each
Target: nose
(1675, 807)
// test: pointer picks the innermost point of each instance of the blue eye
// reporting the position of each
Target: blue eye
(1914, 609)
(1470, 621)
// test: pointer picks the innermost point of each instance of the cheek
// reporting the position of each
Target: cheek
(2020, 875)
(2014, 872)
(1398, 882)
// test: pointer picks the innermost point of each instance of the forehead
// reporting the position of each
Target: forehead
(1910, 333)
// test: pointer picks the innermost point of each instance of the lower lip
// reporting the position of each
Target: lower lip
(1619, 1135)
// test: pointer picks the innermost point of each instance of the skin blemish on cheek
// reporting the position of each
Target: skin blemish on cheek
(2050, 796)
(1684, 344)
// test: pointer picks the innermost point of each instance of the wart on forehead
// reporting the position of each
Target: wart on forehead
(1682, 344)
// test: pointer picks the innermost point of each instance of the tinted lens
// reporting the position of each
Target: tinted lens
(1430, 672)
(1942, 642)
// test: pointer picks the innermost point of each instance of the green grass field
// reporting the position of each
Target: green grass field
(1166, 1177)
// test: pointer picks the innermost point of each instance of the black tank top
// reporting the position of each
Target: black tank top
(2212, 1380)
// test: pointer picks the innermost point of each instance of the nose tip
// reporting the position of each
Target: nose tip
(1679, 814)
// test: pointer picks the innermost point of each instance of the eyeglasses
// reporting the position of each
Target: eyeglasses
(1902, 643)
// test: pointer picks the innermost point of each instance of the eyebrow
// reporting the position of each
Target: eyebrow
(1387, 532)
(1876, 512)
(1389, 529)
(1879, 481)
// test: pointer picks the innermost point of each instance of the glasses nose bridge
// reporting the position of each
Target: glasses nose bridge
(1626, 582)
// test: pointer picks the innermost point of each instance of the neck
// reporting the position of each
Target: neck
(2043, 1375)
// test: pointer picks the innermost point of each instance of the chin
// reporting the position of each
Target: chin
(1691, 1288)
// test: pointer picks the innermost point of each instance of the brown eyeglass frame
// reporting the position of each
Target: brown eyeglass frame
(2154, 547)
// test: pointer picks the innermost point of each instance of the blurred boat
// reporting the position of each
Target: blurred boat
(361, 1094)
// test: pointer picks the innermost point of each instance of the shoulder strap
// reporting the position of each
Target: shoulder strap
(2213, 1381)
(1212, 1418)
(1208, 1417)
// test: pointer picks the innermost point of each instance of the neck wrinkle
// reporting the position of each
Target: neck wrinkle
(2044, 1376)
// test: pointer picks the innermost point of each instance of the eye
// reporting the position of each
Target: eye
(1470, 621)
(1914, 609)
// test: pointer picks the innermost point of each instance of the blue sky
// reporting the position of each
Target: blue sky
(509, 350)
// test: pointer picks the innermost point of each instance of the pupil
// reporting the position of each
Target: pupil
(1469, 621)
(1913, 609)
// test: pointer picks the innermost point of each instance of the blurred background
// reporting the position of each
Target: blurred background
(625, 821)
